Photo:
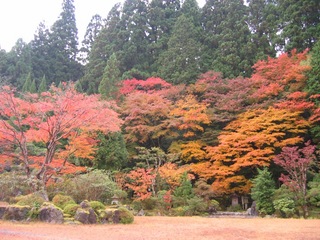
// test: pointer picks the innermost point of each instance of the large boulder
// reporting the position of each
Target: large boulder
(85, 214)
(3, 208)
(16, 213)
(50, 214)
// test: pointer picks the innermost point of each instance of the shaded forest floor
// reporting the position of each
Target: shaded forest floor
(169, 228)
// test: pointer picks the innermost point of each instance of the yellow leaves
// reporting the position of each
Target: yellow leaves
(171, 173)
(192, 151)
(250, 142)
(190, 114)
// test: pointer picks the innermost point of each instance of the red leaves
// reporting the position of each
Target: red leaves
(140, 181)
(296, 162)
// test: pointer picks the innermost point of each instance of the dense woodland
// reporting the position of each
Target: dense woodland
(176, 102)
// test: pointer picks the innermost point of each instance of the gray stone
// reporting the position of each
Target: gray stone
(86, 216)
(17, 213)
(50, 214)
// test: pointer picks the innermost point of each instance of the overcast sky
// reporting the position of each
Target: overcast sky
(20, 18)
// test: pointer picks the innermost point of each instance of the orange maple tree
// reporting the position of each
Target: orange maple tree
(247, 143)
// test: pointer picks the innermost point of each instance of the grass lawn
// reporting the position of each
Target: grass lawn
(183, 228)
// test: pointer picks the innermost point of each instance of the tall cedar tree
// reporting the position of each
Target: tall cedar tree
(180, 63)
(106, 43)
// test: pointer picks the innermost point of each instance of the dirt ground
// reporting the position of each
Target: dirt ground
(175, 228)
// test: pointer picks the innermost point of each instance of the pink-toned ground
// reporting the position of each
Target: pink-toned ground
(175, 228)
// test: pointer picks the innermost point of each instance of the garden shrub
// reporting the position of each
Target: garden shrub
(313, 195)
(285, 207)
(150, 203)
(136, 205)
(62, 200)
(196, 206)
(284, 202)
(32, 200)
(12, 184)
(71, 209)
(179, 211)
(96, 206)
(126, 216)
(95, 185)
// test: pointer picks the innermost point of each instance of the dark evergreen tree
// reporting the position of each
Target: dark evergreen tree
(228, 39)
(40, 49)
(27, 86)
(313, 83)
(63, 41)
(300, 23)
(106, 43)
(112, 153)
(162, 16)
(263, 190)
(133, 34)
(181, 62)
(93, 29)
(263, 20)
(33, 87)
(43, 85)
(110, 78)
(19, 63)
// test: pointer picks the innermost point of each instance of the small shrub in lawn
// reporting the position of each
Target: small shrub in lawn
(150, 203)
(71, 209)
(96, 206)
(179, 211)
(285, 207)
(61, 200)
(136, 205)
(126, 216)
(196, 206)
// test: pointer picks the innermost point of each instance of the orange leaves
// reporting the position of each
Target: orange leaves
(193, 151)
(273, 76)
(171, 173)
(190, 115)
(250, 142)
(140, 181)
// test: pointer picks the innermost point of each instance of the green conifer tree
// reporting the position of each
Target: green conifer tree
(263, 190)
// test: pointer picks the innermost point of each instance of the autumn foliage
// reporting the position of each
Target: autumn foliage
(49, 118)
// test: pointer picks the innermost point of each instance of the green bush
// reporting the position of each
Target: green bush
(96, 206)
(126, 216)
(61, 200)
(96, 185)
(179, 211)
(196, 206)
(136, 205)
(150, 203)
(285, 207)
(71, 209)
(32, 200)
(12, 184)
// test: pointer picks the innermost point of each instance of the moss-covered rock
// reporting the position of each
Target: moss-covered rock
(16, 212)
(71, 209)
(97, 206)
(32, 200)
(62, 200)
(50, 213)
(85, 214)
(125, 216)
